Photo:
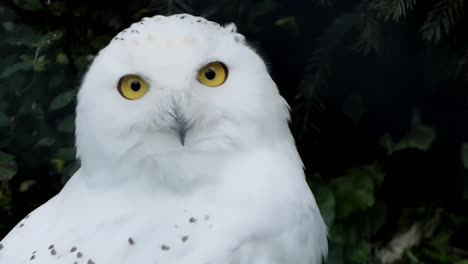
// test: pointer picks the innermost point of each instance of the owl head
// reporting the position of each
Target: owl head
(176, 84)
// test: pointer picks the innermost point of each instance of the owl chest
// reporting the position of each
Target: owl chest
(126, 232)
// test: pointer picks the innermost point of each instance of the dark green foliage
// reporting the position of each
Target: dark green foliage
(377, 89)
(441, 19)
(394, 9)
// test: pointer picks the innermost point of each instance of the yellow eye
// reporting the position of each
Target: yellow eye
(132, 87)
(213, 74)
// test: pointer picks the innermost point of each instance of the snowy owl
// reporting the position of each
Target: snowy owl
(186, 157)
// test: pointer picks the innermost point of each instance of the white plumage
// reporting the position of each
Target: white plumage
(186, 173)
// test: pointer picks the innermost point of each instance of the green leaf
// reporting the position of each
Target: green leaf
(325, 201)
(374, 219)
(419, 137)
(62, 100)
(40, 64)
(412, 257)
(361, 253)
(19, 66)
(46, 142)
(67, 125)
(66, 154)
(8, 26)
(62, 58)
(355, 191)
(26, 185)
(5, 157)
(7, 166)
(48, 39)
(5, 193)
(4, 120)
(373, 171)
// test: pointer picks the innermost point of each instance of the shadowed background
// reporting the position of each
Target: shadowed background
(378, 91)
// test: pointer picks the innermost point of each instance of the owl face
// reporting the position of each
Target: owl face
(178, 83)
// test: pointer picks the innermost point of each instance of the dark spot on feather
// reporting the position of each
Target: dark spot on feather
(165, 247)
(121, 39)
(192, 220)
(51, 246)
(34, 252)
(184, 238)
(207, 217)
(53, 252)
(90, 261)
(199, 20)
(79, 255)
(134, 31)
(130, 241)
(1, 246)
(32, 257)
(182, 17)
(26, 217)
(73, 249)
(21, 225)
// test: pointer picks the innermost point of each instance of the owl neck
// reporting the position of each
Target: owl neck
(178, 171)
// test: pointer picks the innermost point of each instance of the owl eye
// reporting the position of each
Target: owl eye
(213, 74)
(132, 87)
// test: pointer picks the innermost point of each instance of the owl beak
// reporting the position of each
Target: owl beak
(181, 131)
(180, 124)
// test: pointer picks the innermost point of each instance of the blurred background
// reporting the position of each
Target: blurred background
(378, 91)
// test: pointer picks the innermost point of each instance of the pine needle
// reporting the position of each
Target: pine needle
(169, 7)
(441, 19)
(393, 9)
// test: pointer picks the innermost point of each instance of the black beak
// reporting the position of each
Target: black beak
(180, 124)
(181, 131)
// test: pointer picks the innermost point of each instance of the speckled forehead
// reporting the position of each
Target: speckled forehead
(175, 29)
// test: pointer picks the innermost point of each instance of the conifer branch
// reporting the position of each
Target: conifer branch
(169, 7)
(441, 19)
(393, 9)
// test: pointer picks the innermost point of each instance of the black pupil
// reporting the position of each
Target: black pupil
(210, 74)
(135, 85)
